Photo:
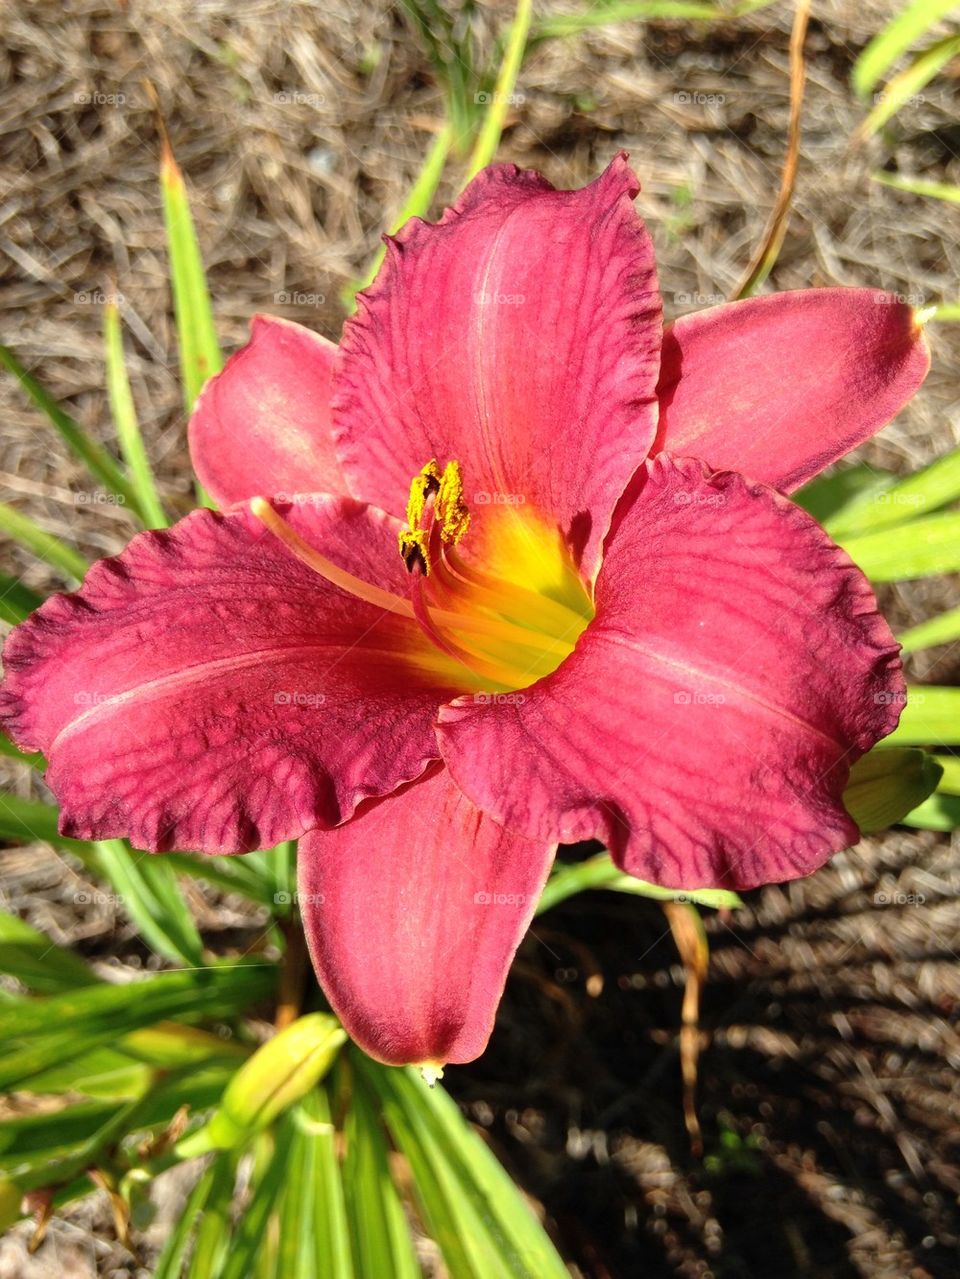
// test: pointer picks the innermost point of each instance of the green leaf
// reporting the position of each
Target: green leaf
(923, 548)
(931, 717)
(939, 812)
(897, 36)
(602, 15)
(919, 186)
(942, 810)
(37, 962)
(10, 1197)
(938, 630)
(32, 758)
(485, 148)
(378, 1228)
(97, 460)
(885, 785)
(255, 1237)
(476, 1213)
(215, 991)
(170, 1262)
(103, 1073)
(315, 1192)
(24, 820)
(918, 494)
(125, 420)
(54, 1025)
(600, 872)
(212, 1243)
(243, 875)
(146, 887)
(200, 354)
(908, 83)
(16, 600)
(43, 544)
(848, 489)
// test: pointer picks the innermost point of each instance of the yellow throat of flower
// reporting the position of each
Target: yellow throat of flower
(499, 620)
(510, 614)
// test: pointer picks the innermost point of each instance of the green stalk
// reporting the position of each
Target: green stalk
(43, 544)
(491, 129)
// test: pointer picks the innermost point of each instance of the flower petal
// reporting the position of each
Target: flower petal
(779, 387)
(205, 690)
(262, 425)
(519, 335)
(705, 724)
(413, 911)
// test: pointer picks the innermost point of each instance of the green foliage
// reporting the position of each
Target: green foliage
(125, 420)
(97, 460)
(600, 872)
(910, 25)
(886, 785)
(200, 354)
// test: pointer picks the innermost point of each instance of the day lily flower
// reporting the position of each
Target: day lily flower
(512, 566)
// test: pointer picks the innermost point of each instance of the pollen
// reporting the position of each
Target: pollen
(447, 518)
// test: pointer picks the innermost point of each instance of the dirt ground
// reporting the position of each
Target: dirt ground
(827, 1082)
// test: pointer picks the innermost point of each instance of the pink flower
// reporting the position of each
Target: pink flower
(527, 576)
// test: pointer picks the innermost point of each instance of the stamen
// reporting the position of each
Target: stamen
(448, 514)
(306, 554)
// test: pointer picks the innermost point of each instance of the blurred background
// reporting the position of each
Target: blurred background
(827, 1084)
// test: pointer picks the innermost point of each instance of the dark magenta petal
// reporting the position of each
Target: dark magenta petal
(705, 724)
(520, 335)
(262, 425)
(205, 690)
(413, 911)
(779, 387)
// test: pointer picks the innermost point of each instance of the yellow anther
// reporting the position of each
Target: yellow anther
(449, 510)
(413, 549)
(421, 486)
(452, 510)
